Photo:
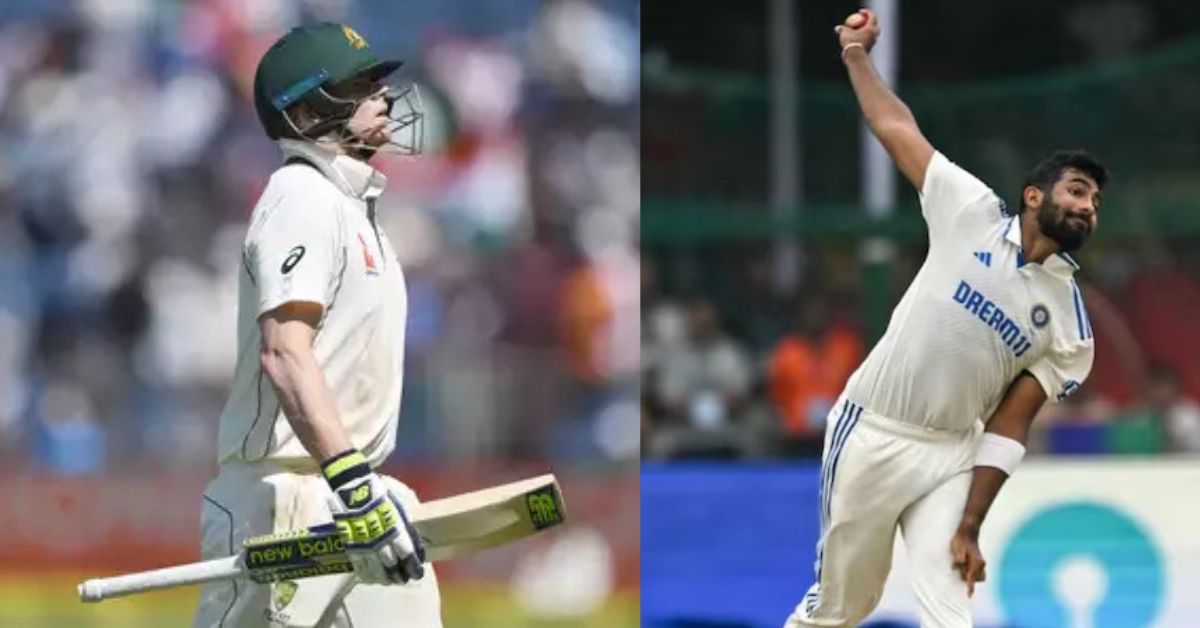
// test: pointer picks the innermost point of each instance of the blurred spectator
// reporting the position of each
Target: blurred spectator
(18, 323)
(807, 370)
(1076, 426)
(67, 438)
(703, 384)
(662, 323)
(1178, 415)
(586, 313)
(706, 379)
(1163, 419)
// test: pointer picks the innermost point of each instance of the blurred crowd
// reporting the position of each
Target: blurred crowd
(735, 369)
(130, 158)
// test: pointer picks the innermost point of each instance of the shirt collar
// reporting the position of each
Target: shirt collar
(353, 177)
(1060, 263)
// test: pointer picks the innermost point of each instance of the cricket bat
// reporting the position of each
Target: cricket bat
(452, 527)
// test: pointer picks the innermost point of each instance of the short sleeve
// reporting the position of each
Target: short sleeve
(947, 191)
(291, 252)
(1063, 370)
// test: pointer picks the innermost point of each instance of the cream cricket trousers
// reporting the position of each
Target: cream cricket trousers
(877, 474)
(250, 500)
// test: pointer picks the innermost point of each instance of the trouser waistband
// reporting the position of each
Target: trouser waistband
(909, 430)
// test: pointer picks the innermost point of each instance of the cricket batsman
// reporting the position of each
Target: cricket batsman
(321, 315)
(936, 418)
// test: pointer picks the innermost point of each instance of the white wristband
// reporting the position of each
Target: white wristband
(1000, 452)
(852, 45)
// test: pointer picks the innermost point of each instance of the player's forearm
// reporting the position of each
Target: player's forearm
(1002, 446)
(306, 399)
(1013, 423)
(879, 104)
(986, 481)
(985, 485)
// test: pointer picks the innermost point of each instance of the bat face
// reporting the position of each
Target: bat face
(450, 528)
(464, 524)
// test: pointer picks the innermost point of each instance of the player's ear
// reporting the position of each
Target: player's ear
(302, 115)
(1032, 196)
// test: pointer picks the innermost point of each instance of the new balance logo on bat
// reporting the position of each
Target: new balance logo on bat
(544, 510)
(293, 551)
(985, 257)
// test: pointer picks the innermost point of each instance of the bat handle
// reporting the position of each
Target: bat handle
(98, 589)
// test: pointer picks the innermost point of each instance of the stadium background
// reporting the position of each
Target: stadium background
(762, 289)
(130, 159)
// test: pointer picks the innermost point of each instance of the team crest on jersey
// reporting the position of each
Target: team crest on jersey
(282, 594)
(368, 258)
(354, 38)
(1040, 315)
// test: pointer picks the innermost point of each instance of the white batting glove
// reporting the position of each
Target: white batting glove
(380, 543)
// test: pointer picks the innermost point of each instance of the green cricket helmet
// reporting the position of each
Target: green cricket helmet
(305, 62)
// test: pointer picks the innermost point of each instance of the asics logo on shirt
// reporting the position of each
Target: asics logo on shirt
(293, 258)
(991, 315)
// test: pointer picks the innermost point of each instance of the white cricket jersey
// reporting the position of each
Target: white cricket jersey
(313, 237)
(975, 316)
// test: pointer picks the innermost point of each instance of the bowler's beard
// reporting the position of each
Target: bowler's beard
(1052, 220)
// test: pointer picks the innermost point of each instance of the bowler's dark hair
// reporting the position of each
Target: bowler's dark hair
(1049, 170)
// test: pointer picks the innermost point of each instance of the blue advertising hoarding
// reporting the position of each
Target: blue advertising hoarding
(1095, 543)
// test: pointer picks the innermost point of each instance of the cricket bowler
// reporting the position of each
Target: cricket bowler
(321, 315)
(936, 418)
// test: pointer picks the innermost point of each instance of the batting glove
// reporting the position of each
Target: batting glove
(380, 543)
